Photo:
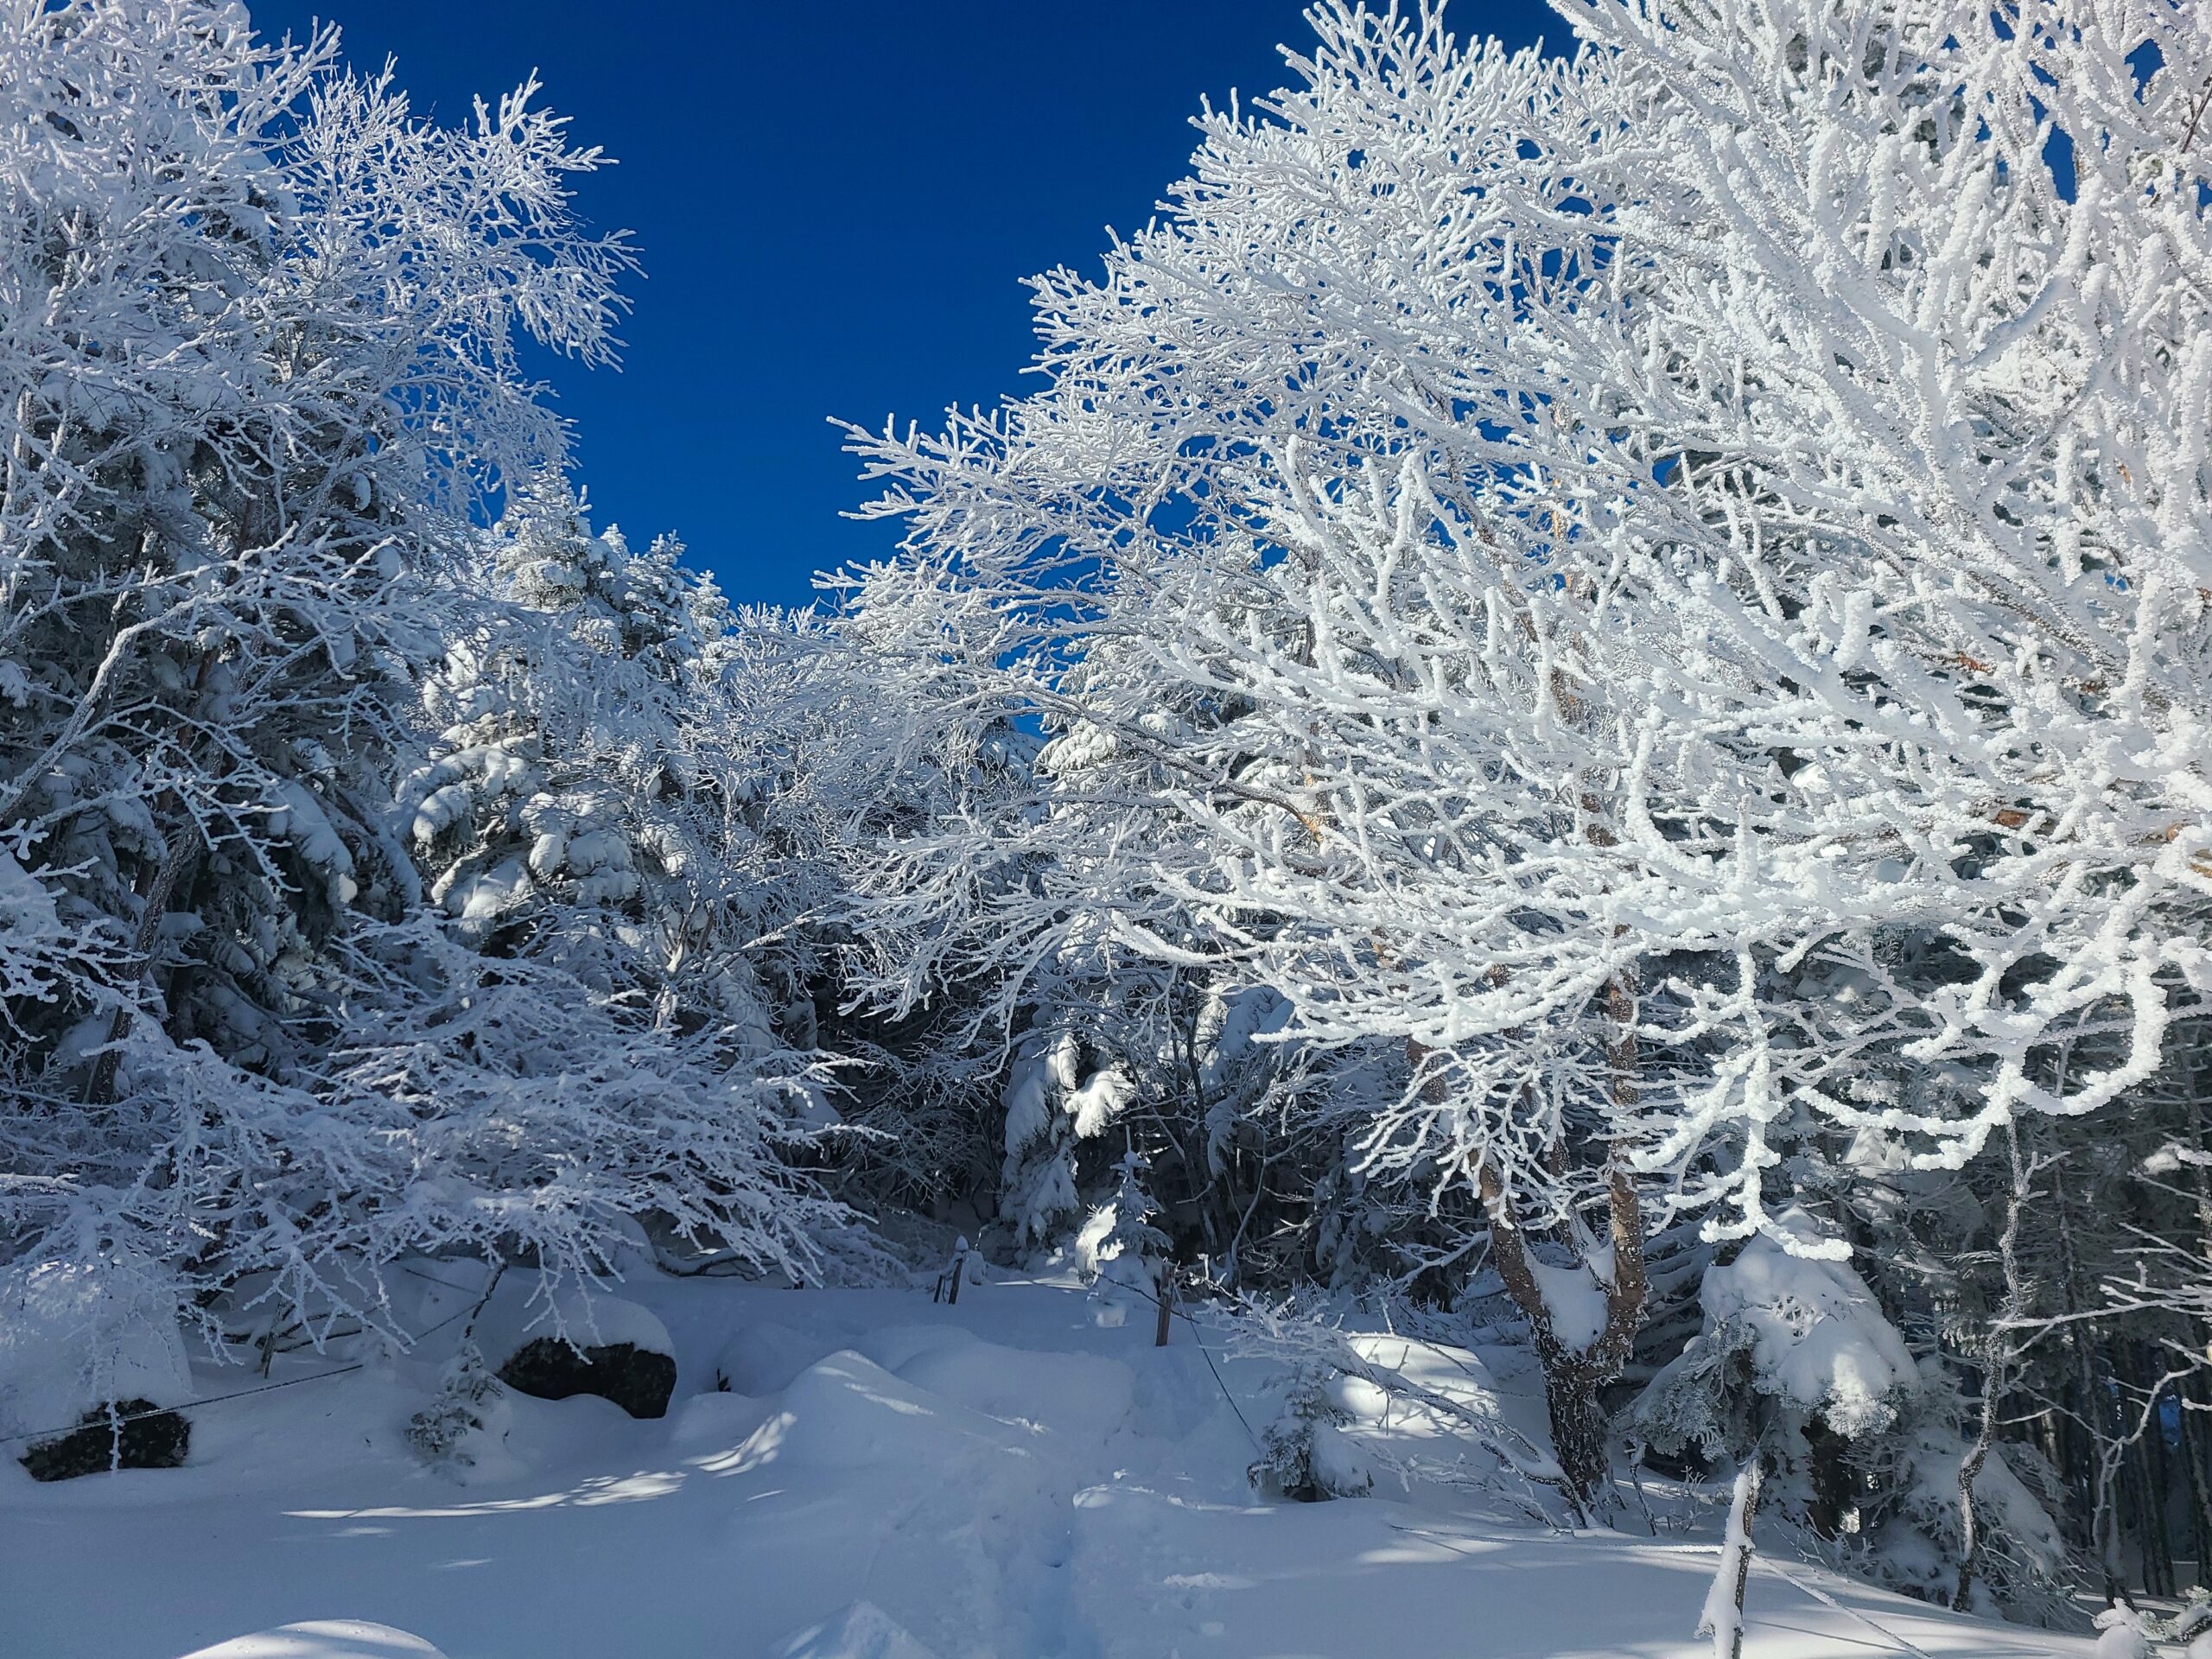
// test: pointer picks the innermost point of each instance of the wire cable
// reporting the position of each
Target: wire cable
(113, 1420)
(116, 1420)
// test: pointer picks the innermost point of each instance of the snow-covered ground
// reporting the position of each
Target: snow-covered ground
(886, 1479)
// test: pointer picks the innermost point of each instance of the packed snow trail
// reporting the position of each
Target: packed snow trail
(884, 1478)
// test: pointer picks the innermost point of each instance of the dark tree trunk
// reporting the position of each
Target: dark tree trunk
(184, 850)
(1996, 1374)
(2192, 1461)
(1582, 1433)
(1831, 1479)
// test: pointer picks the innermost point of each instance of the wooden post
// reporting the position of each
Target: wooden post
(959, 1268)
(1724, 1603)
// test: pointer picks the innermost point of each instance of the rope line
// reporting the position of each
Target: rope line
(1827, 1600)
(1199, 1336)
(1223, 1386)
(114, 1421)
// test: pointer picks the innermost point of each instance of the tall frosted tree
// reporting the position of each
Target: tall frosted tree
(259, 326)
(1632, 577)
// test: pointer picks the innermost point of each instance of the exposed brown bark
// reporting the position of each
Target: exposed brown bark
(1573, 1376)
(1997, 1376)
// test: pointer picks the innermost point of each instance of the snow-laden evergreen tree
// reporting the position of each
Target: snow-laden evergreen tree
(1295, 1460)
(582, 801)
(1797, 1367)
(259, 326)
(1129, 1257)
(581, 815)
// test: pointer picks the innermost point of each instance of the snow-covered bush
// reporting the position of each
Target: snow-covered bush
(1299, 1457)
(1798, 1367)
(1361, 1412)
(449, 1433)
(1037, 1187)
(1812, 1346)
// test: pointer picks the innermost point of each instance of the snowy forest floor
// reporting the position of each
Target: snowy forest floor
(1002, 1477)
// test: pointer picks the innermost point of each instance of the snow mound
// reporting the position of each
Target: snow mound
(972, 1484)
(715, 1419)
(1123, 1285)
(766, 1358)
(322, 1638)
(2121, 1636)
(863, 1630)
(1081, 1394)
(848, 1413)
(1384, 1432)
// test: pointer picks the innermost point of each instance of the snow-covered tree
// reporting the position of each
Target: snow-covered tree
(584, 800)
(1651, 580)
(259, 382)
(1132, 1266)
(1798, 1368)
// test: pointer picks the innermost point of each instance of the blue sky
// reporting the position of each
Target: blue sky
(836, 204)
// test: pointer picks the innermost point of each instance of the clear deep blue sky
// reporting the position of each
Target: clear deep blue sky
(836, 204)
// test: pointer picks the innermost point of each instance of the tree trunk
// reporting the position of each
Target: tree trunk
(1580, 1431)
(2100, 1458)
(2200, 1492)
(956, 1272)
(1830, 1472)
(100, 1089)
(1996, 1371)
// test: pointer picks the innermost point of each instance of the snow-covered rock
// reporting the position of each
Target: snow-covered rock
(72, 1337)
(523, 1308)
(558, 1343)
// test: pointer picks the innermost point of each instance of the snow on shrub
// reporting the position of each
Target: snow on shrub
(1797, 1366)
(1810, 1334)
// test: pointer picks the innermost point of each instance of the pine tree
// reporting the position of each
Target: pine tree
(259, 327)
